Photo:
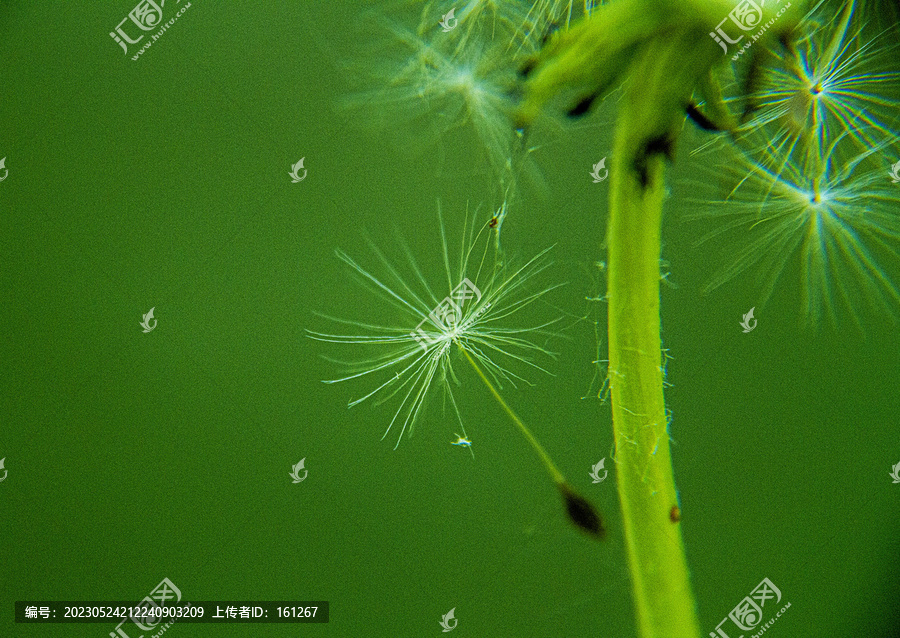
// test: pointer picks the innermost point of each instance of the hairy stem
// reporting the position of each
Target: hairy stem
(659, 52)
(649, 117)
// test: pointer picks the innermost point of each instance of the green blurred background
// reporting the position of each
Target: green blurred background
(133, 457)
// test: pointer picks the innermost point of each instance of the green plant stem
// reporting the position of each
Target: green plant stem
(663, 52)
(659, 85)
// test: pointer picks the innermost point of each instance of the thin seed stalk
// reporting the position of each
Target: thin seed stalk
(579, 510)
(548, 463)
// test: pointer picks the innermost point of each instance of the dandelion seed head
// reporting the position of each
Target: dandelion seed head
(804, 180)
(839, 78)
(842, 225)
(477, 304)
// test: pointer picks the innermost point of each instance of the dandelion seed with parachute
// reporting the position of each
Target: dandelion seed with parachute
(475, 308)
(437, 85)
(805, 176)
(417, 350)
(840, 219)
(839, 77)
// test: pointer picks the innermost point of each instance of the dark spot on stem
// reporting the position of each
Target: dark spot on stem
(583, 106)
(526, 69)
(675, 514)
(701, 120)
(581, 512)
(661, 144)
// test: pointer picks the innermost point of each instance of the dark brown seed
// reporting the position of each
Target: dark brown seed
(675, 514)
(581, 512)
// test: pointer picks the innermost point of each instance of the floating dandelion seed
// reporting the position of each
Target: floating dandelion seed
(834, 80)
(482, 300)
(808, 177)
(436, 83)
(418, 348)
(839, 83)
(437, 89)
(842, 221)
